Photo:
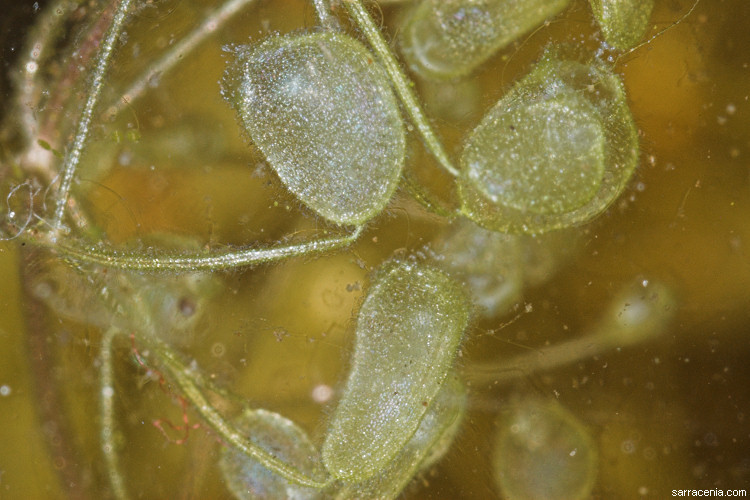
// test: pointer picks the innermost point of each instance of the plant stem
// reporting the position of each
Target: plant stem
(197, 262)
(101, 65)
(544, 359)
(633, 317)
(41, 40)
(212, 23)
(183, 377)
(424, 198)
(107, 415)
(402, 85)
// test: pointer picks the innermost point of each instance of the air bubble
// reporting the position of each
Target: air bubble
(218, 350)
(322, 393)
(628, 447)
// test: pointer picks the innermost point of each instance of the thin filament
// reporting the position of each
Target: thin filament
(402, 85)
(212, 23)
(73, 158)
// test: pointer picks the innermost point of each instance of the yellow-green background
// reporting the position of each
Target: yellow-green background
(666, 415)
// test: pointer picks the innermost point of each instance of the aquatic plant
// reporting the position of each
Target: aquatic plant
(332, 121)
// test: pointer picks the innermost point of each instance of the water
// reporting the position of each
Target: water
(665, 414)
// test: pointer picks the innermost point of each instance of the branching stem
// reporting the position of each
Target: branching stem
(183, 378)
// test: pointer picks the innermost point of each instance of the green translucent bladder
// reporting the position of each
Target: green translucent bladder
(488, 262)
(407, 335)
(497, 267)
(323, 113)
(170, 307)
(450, 38)
(560, 169)
(553, 152)
(249, 479)
(430, 442)
(543, 452)
(623, 22)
